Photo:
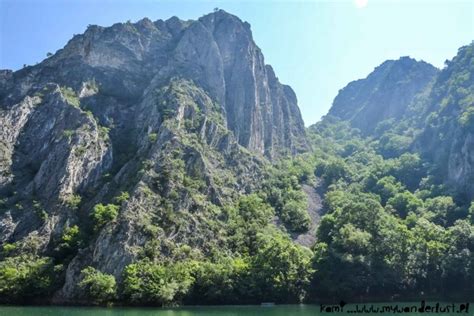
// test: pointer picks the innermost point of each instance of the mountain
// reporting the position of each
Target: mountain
(447, 139)
(388, 93)
(138, 136)
(163, 163)
(394, 157)
(409, 105)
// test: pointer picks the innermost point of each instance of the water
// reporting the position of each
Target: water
(280, 310)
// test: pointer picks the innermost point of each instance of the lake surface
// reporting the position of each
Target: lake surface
(279, 310)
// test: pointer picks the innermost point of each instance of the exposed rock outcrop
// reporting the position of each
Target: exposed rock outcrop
(387, 93)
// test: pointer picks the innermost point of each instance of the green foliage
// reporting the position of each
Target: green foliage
(388, 187)
(439, 209)
(295, 215)
(68, 133)
(73, 201)
(71, 240)
(225, 281)
(389, 228)
(467, 117)
(70, 96)
(245, 221)
(392, 145)
(98, 286)
(332, 170)
(26, 277)
(80, 151)
(104, 132)
(405, 203)
(280, 270)
(103, 214)
(152, 137)
(283, 191)
(8, 248)
(122, 197)
(158, 284)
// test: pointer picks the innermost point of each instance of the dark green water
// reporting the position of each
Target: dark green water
(282, 310)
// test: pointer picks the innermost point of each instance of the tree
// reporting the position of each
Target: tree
(404, 203)
(387, 187)
(102, 214)
(98, 286)
(25, 277)
(280, 271)
(158, 284)
(439, 208)
(295, 215)
(332, 170)
(70, 241)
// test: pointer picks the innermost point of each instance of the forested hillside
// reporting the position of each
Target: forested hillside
(399, 218)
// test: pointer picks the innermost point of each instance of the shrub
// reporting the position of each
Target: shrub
(102, 214)
(295, 215)
(70, 240)
(122, 197)
(8, 248)
(70, 96)
(152, 137)
(73, 201)
(98, 286)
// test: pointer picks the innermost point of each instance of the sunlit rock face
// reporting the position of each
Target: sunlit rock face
(388, 93)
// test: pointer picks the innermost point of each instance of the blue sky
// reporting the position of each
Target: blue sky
(317, 47)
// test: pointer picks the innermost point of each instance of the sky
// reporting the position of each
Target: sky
(316, 47)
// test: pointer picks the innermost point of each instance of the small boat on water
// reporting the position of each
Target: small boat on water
(267, 304)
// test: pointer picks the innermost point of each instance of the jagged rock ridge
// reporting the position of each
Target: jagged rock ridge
(387, 93)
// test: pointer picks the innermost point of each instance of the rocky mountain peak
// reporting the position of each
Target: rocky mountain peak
(217, 52)
(386, 93)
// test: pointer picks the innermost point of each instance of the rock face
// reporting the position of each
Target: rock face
(448, 137)
(179, 114)
(387, 93)
(216, 52)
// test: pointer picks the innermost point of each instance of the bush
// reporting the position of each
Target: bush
(295, 215)
(8, 248)
(122, 197)
(98, 286)
(73, 201)
(152, 137)
(102, 214)
(70, 241)
(225, 281)
(280, 271)
(70, 96)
